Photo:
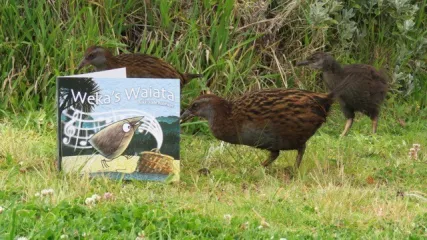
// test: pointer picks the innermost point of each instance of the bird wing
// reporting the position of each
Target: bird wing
(143, 65)
(367, 73)
(104, 145)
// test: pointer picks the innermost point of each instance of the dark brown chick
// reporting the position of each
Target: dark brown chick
(366, 93)
(137, 65)
(274, 119)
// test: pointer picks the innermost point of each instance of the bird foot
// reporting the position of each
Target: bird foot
(156, 150)
(104, 164)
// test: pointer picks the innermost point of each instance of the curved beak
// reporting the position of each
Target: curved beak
(302, 63)
(187, 115)
(82, 64)
(136, 122)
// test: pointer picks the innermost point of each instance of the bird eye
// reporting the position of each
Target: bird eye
(126, 127)
(195, 105)
(91, 56)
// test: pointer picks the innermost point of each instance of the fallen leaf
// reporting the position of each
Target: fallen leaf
(370, 180)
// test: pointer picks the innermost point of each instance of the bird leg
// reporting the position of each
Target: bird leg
(301, 151)
(104, 163)
(374, 124)
(347, 126)
(273, 156)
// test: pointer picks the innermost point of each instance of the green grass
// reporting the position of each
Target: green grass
(360, 186)
(237, 45)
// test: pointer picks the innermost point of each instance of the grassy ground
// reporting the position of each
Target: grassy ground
(360, 186)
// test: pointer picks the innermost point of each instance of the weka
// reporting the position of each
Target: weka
(137, 65)
(367, 91)
(275, 119)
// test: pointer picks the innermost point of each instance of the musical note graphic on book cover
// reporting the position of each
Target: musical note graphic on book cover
(82, 126)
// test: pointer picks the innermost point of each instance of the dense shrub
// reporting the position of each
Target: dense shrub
(238, 45)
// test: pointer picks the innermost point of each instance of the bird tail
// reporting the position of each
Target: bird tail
(385, 77)
(189, 76)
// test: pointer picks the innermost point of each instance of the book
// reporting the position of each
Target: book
(123, 128)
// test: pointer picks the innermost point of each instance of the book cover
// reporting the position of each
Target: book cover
(119, 127)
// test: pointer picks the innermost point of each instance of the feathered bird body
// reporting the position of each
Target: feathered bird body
(366, 92)
(273, 119)
(112, 141)
(137, 65)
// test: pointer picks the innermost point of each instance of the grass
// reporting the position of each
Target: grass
(360, 186)
(237, 45)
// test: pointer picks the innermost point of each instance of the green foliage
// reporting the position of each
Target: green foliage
(237, 45)
(389, 34)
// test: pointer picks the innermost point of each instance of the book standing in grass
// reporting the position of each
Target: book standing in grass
(115, 126)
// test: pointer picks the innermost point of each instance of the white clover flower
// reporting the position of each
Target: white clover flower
(416, 146)
(21, 238)
(46, 192)
(141, 235)
(63, 236)
(227, 218)
(413, 153)
(90, 201)
(96, 197)
(108, 196)
(1, 209)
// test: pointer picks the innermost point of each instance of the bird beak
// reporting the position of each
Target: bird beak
(302, 63)
(136, 122)
(83, 63)
(187, 115)
(136, 125)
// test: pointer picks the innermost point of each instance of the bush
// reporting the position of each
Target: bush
(237, 45)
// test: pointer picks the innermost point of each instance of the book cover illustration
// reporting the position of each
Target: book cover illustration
(119, 127)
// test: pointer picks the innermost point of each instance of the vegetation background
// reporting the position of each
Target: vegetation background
(359, 186)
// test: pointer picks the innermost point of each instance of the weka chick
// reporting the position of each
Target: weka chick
(275, 119)
(366, 93)
(137, 65)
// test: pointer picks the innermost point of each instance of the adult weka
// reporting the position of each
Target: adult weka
(273, 119)
(137, 65)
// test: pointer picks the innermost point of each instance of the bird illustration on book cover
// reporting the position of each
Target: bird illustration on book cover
(119, 127)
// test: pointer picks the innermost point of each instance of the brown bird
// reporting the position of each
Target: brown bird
(366, 93)
(274, 119)
(112, 141)
(137, 65)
